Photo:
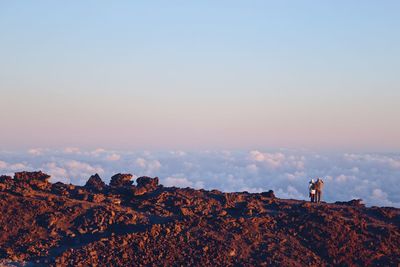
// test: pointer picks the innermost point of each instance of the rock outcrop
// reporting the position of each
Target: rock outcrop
(353, 202)
(95, 183)
(120, 179)
(5, 182)
(44, 224)
(145, 184)
(36, 180)
(269, 193)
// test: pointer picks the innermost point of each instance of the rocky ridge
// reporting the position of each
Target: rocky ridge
(123, 224)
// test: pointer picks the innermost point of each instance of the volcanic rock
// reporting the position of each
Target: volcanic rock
(37, 180)
(120, 180)
(269, 194)
(5, 179)
(147, 182)
(31, 176)
(97, 198)
(60, 189)
(5, 182)
(353, 202)
(152, 225)
(95, 183)
(144, 185)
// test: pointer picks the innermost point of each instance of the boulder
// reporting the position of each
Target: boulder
(144, 185)
(5, 179)
(97, 198)
(147, 182)
(82, 195)
(37, 180)
(31, 176)
(269, 194)
(5, 182)
(121, 179)
(95, 183)
(60, 189)
(353, 203)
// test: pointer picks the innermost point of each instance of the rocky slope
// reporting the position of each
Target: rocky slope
(122, 224)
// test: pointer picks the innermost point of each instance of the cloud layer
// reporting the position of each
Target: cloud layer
(373, 177)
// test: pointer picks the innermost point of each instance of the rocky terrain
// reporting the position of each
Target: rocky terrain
(127, 224)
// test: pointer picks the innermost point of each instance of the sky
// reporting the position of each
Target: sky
(228, 95)
(319, 75)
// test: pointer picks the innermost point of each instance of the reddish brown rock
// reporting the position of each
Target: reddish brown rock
(353, 202)
(5, 179)
(31, 176)
(152, 225)
(95, 183)
(269, 194)
(97, 198)
(145, 185)
(5, 182)
(36, 180)
(147, 182)
(120, 180)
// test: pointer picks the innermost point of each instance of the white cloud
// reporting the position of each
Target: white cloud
(379, 194)
(141, 162)
(178, 182)
(277, 160)
(252, 168)
(257, 155)
(374, 158)
(13, 167)
(287, 172)
(154, 165)
(341, 178)
(3, 164)
(329, 178)
(273, 160)
(381, 198)
(17, 167)
(81, 171)
(72, 150)
(150, 167)
(394, 163)
(188, 165)
(98, 151)
(113, 157)
(57, 173)
(296, 175)
(182, 182)
(252, 189)
(178, 153)
(35, 151)
(291, 192)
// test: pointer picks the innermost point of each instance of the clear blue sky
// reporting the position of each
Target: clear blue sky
(205, 74)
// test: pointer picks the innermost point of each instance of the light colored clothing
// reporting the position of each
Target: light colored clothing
(319, 184)
(311, 189)
(311, 186)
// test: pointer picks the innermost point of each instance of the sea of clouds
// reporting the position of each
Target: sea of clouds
(375, 178)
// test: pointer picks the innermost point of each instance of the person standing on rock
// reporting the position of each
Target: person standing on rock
(311, 189)
(319, 184)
